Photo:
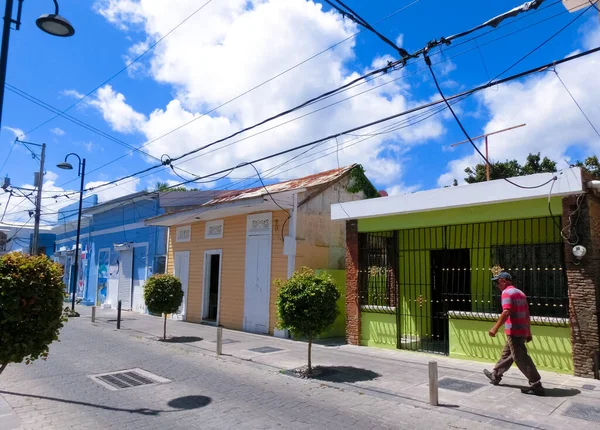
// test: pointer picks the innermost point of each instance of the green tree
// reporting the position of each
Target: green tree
(31, 314)
(592, 165)
(510, 168)
(307, 305)
(163, 295)
(163, 186)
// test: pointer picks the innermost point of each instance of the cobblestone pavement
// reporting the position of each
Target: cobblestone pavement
(204, 392)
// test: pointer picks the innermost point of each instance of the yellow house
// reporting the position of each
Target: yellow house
(229, 250)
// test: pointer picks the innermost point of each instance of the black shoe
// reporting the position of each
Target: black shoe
(493, 379)
(536, 390)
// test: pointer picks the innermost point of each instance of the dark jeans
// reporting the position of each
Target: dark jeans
(515, 351)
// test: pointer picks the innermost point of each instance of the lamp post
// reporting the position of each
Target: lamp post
(81, 172)
(53, 24)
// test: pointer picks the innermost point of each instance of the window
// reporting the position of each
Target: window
(214, 229)
(376, 277)
(159, 265)
(183, 234)
(537, 270)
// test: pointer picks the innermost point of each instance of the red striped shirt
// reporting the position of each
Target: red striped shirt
(517, 323)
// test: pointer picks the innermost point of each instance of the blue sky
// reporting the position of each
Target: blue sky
(232, 45)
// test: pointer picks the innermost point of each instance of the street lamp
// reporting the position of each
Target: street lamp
(53, 24)
(80, 172)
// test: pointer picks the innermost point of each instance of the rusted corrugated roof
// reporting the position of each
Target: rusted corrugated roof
(294, 184)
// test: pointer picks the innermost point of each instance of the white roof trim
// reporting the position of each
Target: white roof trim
(498, 191)
(226, 209)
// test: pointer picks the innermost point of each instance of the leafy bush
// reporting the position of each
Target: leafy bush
(163, 295)
(307, 305)
(31, 307)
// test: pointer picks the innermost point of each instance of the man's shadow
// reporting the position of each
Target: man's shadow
(548, 392)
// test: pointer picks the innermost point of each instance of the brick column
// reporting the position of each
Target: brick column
(582, 277)
(352, 300)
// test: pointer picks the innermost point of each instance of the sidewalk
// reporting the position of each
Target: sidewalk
(401, 375)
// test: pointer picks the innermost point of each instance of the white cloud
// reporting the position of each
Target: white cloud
(233, 50)
(554, 123)
(113, 191)
(73, 93)
(16, 131)
(57, 131)
(116, 112)
(402, 189)
(400, 40)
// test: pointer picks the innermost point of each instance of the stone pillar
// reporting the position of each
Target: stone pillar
(352, 296)
(582, 278)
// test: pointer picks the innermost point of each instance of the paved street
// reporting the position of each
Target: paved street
(245, 389)
(205, 392)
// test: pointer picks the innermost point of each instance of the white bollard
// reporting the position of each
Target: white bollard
(219, 340)
(93, 313)
(433, 383)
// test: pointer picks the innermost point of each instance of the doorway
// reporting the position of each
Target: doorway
(257, 283)
(450, 289)
(212, 286)
(182, 271)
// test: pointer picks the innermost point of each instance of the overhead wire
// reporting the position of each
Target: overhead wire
(575, 101)
(415, 109)
(314, 100)
(461, 126)
(359, 20)
(255, 87)
(127, 66)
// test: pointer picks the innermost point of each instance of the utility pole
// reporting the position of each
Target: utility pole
(487, 156)
(38, 203)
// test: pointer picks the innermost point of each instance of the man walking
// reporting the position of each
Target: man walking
(515, 318)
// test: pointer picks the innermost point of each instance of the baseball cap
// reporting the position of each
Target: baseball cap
(502, 275)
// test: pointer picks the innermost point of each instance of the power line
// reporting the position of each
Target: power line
(357, 19)
(255, 87)
(439, 89)
(575, 101)
(74, 120)
(415, 109)
(8, 155)
(127, 66)
(314, 100)
(393, 80)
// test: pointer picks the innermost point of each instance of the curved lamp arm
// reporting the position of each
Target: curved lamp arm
(72, 153)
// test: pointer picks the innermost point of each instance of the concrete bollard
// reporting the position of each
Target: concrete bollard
(433, 384)
(119, 304)
(219, 340)
(93, 314)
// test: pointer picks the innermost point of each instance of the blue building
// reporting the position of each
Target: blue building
(118, 252)
(17, 237)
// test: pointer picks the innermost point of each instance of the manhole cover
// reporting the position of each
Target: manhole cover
(127, 379)
(265, 349)
(226, 341)
(459, 385)
(589, 387)
(583, 412)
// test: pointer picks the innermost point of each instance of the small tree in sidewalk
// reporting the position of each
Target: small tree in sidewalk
(307, 305)
(31, 307)
(163, 295)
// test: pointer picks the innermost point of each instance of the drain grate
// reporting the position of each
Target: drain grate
(265, 349)
(128, 379)
(589, 387)
(583, 412)
(459, 385)
(226, 341)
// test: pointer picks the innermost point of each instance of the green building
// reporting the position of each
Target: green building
(419, 268)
